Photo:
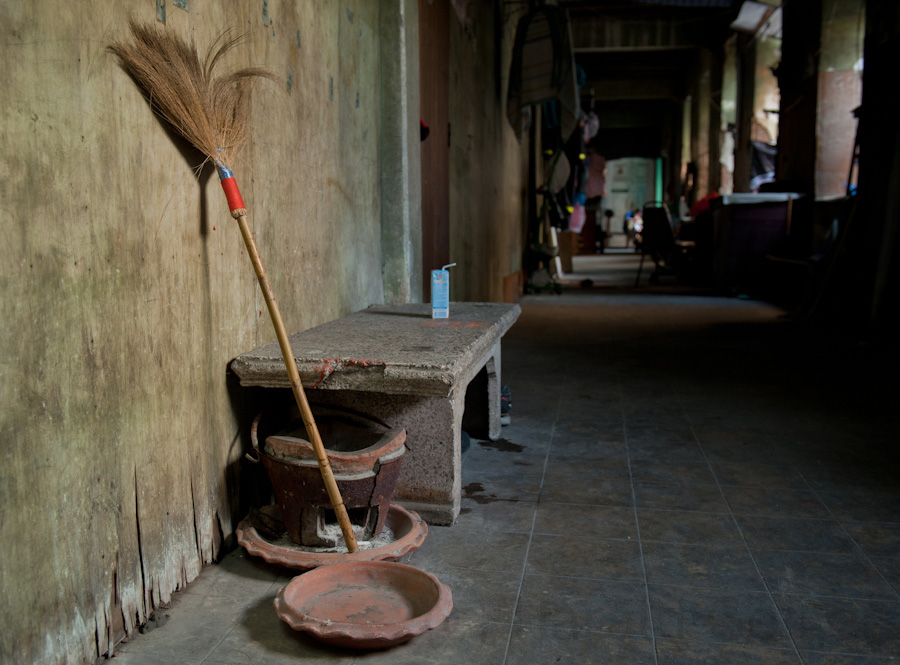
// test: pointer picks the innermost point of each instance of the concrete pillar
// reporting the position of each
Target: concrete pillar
(728, 116)
(875, 275)
(705, 123)
(689, 189)
(798, 82)
(714, 103)
(746, 67)
(839, 92)
(401, 183)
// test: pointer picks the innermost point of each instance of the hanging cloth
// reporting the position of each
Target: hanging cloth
(543, 68)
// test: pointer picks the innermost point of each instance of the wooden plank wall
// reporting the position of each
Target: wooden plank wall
(127, 291)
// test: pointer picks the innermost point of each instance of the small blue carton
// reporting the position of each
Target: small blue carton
(440, 292)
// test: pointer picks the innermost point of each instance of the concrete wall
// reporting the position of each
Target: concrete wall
(488, 166)
(126, 292)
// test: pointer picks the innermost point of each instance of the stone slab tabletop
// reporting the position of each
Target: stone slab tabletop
(392, 349)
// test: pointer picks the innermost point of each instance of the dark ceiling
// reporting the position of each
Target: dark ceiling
(637, 57)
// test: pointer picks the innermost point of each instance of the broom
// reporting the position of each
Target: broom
(211, 112)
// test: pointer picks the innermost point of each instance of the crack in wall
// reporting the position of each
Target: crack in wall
(140, 547)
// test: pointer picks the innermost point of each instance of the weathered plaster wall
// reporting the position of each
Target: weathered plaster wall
(126, 292)
(488, 165)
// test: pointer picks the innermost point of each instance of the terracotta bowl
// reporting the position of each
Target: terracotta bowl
(364, 605)
(408, 528)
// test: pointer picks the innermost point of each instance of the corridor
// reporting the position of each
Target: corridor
(685, 480)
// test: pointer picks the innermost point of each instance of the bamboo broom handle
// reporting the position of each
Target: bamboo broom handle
(312, 431)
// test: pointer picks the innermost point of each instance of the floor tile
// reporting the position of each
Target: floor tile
(579, 556)
(481, 486)
(587, 427)
(876, 539)
(639, 434)
(682, 451)
(564, 519)
(561, 468)
(237, 574)
(260, 637)
(852, 476)
(541, 645)
(639, 415)
(584, 604)
(721, 432)
(791, 533)
(701, 566)
(681, 652)
(853, 627)
(889, 567)
(863, 506)
(819, 658)
(581, 489)
(699, 498)
(750, 451)
(196, 625)
(531, 424)
(822, 574)
(772, 476)
(675, 473)
(606, 445)
(134, 653)
(784, 503)
(679, 526)
(477, 512)
(482, 643)
(581, 402)
(459, 548)
(481, 595)
(506, 454)
(717, 615)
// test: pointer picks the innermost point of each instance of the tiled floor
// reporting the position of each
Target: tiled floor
(685, 480)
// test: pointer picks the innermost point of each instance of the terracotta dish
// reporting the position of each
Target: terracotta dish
(263, 535)
(364, 605)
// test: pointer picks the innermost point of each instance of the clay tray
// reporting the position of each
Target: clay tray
(262, 534)
(364, 605)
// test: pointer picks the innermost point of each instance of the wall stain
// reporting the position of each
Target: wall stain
(335, 182)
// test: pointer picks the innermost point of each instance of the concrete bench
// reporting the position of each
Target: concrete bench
(435, 377)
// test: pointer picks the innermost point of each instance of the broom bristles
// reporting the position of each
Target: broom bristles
(211, 112)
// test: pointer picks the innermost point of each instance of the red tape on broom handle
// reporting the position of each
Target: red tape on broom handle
(232, 193)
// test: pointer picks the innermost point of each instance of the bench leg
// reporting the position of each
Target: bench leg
(482, 415)
(429, 481)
